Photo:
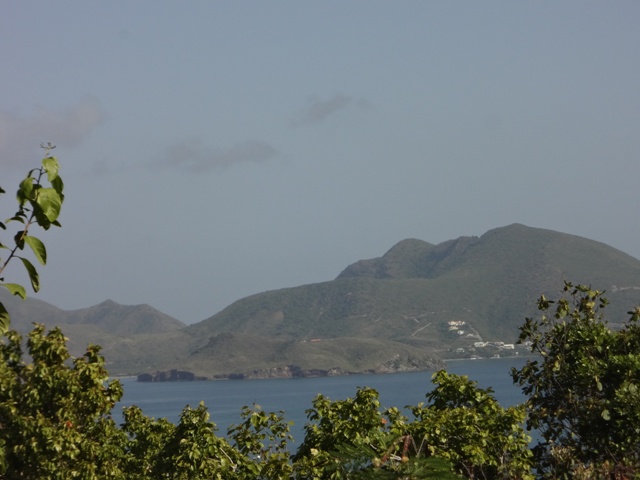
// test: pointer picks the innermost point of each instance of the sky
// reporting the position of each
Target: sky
(213, 150)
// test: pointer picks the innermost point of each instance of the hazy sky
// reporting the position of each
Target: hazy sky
(212, 150)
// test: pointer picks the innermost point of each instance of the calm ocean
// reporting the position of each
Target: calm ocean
(225, 398)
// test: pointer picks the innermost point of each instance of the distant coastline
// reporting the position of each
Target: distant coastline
(293, 371)
(289, 371)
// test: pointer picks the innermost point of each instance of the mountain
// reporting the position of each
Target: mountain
(406, 310)
(108, 324)
(408, 297)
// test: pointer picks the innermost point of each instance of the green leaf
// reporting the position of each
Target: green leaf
(18, 217)
(50, 165)
(50, 202)
(38, 248)
(25, 191)
(33, 274)
(58, 186)
(4, 319)
(15, 289)
(606, 415)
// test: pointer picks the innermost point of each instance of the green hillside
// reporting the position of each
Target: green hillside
(410, 294)
(113, 326)
(408, 309)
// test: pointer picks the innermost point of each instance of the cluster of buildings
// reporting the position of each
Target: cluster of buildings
(501, 345)
(458, 327)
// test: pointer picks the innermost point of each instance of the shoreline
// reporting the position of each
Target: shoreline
(294, 372)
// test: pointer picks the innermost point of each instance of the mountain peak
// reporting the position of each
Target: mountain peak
(411, 258)
(108, 303)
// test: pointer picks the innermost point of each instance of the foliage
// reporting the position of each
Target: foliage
(583, 393)
(465, 424)
(462, 425)
(194, 451)
(39, 205)
(55, 423)
(353, 422)
(189, 450)
(55, 417)
(147, 438)
(263, 438)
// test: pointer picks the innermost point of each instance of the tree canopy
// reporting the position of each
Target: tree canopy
(582, 386)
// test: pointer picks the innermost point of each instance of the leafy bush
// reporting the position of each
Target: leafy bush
(582, 388)
(54, 417)
(465, 425)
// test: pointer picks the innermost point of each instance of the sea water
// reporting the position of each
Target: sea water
(225, 398)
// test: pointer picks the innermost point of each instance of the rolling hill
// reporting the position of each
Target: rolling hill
(108, 324)
(406, 310)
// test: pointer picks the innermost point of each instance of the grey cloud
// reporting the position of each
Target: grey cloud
(20, 136)
(195, 157)
(318, 110)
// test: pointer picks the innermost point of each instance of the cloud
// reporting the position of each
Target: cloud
(194, 157)
(20, 137)
(318, 110)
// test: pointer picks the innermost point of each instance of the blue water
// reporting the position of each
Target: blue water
(225, 398)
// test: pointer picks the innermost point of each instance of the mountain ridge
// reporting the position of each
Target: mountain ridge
(409, 308)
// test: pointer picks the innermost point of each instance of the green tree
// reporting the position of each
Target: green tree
(55, 417)
(583, 387)
(263, 438)
(37, 204)
(147, 438)
(465, 425)
(354, 422)
(195, 452)
(192, 450)
(354, 439)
